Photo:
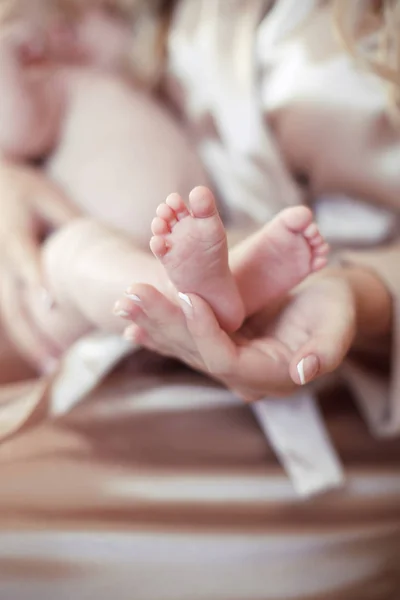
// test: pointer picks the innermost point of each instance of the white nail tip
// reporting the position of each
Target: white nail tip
(186, 299)
(300, 371)
(122, 313)
(133, 297)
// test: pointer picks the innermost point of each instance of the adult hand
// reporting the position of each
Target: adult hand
(19, 324)
(30, 207)
(273, 352)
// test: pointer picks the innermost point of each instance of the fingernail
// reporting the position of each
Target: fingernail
(132, 297)
(186, 304)
(308, 368)
(119, 311)
(186, 299)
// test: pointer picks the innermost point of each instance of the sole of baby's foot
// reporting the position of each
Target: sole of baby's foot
(191, 244)
(278, 257)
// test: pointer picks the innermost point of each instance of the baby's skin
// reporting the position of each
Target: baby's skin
(191, 243)
(67, 97)
(87, 265)
(112, 149)
(64, 97)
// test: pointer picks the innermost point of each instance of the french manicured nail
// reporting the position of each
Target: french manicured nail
(308, 368)
(119, 311)
(132, 297)
(186, 304)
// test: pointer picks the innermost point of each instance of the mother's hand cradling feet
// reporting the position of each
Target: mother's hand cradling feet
(270, 355)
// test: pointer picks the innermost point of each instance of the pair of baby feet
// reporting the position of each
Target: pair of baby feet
(191, 243)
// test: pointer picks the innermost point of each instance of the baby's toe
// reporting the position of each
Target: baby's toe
(176, 203)
(312, 234)
(158, 246)
(202, 203)
(318, 263)
(160, 226)
(167, 214)
(322, 249)
(298, 219)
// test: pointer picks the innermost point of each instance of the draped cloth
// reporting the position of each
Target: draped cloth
(125, 474)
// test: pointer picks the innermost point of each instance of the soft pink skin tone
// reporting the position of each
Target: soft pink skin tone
(191, 243)
(64, 96)
(195, 269)
(88, 114)
(86, 264)
(315, 327)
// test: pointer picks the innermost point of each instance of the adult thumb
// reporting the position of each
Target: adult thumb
(323, 352)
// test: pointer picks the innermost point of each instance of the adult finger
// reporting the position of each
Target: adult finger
(325, 350)
(253, 369)
(24, 257)
(216, 348)
(162, 321)
(19, 327)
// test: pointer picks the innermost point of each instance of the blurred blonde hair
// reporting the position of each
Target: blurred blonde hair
(355, 20)
(370, 31)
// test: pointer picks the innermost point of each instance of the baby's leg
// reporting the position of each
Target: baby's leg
(193, 249)
(87, 266)
(31, 104)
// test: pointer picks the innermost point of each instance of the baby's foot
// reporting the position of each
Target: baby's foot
(193, 248)
(278, 257)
